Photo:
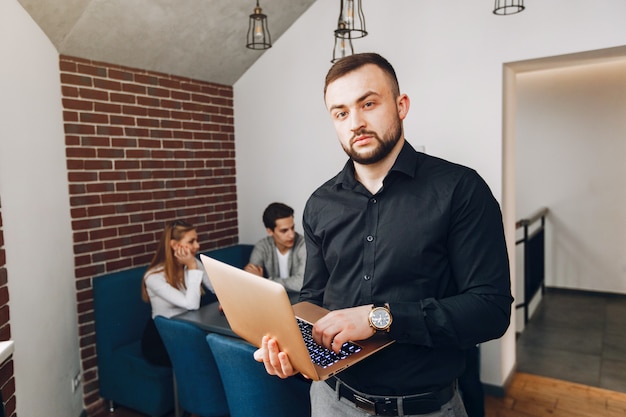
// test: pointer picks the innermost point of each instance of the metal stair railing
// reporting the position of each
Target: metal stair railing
(534, 256)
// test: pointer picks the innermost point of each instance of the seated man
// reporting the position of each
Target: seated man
(281, 255)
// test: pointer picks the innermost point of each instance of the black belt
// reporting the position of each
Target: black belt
(425, 403)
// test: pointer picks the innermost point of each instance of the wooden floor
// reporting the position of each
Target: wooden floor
(576, 336)
(535, 396)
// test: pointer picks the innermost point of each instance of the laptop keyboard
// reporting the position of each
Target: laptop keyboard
(319, 354)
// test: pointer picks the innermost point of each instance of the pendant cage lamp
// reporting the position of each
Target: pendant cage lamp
(343, 43)
(506, 7)
(351, 22)
(258, 33)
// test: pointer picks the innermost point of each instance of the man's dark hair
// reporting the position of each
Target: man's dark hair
(276, 211)
(356, 61)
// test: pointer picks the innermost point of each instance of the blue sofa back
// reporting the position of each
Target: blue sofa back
(250, 390)
(200, 389)
(237, 255)
(118, 315)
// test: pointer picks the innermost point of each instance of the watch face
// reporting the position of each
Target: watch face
(380, 318)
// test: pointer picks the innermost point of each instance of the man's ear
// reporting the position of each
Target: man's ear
(270, 232)
(403, 103)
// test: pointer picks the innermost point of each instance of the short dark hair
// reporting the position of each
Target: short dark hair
(353, 62)
(276, 211)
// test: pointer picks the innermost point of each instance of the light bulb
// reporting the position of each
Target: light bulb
(342, 49)
(258, 28)
(348, 13)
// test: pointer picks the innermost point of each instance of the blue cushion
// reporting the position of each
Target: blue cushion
(126, 378)
(131, 358)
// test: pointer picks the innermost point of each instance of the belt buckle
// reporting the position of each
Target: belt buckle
(364, 404)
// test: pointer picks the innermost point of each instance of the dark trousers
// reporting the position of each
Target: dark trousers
(152, 346)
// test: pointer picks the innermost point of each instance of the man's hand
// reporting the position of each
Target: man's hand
(276, 362)
(340, 326)
(254, 269)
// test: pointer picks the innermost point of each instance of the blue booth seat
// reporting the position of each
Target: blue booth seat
(250, 390)
(124, 376)
(120, 315)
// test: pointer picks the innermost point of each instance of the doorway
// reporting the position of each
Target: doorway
(564, 143)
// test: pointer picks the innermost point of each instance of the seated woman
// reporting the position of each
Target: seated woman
(172, 283)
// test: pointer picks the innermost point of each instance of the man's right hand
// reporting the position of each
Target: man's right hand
(276, 362)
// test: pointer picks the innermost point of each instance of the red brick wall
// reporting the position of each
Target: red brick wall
(142, 149)
(7, 381)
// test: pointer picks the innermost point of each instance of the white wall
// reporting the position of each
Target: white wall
(449, 58)
(35, 213)
(572, 132)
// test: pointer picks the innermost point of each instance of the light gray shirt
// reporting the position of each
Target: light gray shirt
(264, 255)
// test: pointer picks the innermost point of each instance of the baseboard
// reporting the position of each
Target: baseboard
(494, 390)
(561, 290)
(497, 390)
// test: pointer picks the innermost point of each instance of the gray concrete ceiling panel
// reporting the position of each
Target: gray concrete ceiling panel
(200, 39)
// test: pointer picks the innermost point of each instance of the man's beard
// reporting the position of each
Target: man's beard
(385, 145)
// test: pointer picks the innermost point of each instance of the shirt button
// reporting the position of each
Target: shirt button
(373, 201)
(370, 238)
(366, 277)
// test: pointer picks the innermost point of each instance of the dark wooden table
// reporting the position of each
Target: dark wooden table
(209, 318)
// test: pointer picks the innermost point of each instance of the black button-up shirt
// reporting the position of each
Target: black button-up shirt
(430, 243)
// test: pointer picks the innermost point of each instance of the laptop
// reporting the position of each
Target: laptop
(256, 307)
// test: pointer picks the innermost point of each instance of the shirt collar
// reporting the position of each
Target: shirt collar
(406, 163)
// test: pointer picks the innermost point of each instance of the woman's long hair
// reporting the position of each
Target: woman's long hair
(164, 260)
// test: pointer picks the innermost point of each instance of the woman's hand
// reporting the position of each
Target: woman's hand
(185, 256)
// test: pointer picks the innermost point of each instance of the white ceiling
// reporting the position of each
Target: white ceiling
(199, 39)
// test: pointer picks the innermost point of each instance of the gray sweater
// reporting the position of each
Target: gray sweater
(264, 254)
